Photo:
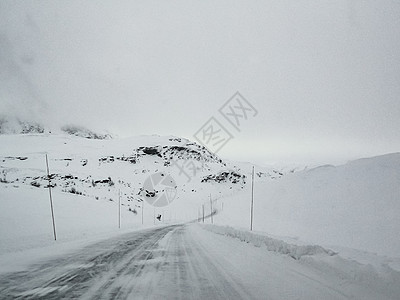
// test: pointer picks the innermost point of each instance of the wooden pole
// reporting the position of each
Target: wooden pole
(51, 200)
(252, 200)
(211, 208)
(119, 208)
(142, 210)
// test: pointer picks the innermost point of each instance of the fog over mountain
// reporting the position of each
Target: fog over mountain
(324, 77)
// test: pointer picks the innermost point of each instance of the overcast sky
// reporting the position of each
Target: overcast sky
(324, 76)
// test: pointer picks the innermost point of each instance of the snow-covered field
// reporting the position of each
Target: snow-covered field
(87, 177)
(346, 218)
(355, 205)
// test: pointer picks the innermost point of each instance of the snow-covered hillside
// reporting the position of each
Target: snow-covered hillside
(100, 168)
(89, 174)
(355, 205)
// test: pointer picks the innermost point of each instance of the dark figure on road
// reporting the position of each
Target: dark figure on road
(159, 217)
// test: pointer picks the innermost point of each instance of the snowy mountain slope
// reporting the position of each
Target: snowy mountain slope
(100, 168)
(15, 125)
(87, 175)
(355, 205)
(96, 168)
(9, 125)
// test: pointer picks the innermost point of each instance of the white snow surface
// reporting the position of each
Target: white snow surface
(339, 220)
(356, 205)
(187, 262)
(378, 279)
(78, 163)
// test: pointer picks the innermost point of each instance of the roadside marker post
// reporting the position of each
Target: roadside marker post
(252, 200)
(142, 210)
(211, 209)
(119, 209)
(51, 199)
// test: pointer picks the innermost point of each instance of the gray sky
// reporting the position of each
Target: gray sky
(324, 76)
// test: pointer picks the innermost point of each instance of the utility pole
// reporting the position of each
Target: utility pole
(211, 208)
(203, 213)
(154, 215)
(119, 208)
(51, 199)
(252, 200)
(142, 210)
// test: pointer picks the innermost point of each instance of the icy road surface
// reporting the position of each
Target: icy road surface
(177, 262)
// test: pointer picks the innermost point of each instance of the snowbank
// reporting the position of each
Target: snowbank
(275, 245)
(372, 273)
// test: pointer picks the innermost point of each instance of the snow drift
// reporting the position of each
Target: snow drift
(355, 205)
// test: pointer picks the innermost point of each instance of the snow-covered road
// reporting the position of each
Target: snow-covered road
(178, 262)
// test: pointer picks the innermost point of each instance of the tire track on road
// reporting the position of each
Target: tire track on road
(87, 273)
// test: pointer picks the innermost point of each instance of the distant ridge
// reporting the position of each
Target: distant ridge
(15, 125)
